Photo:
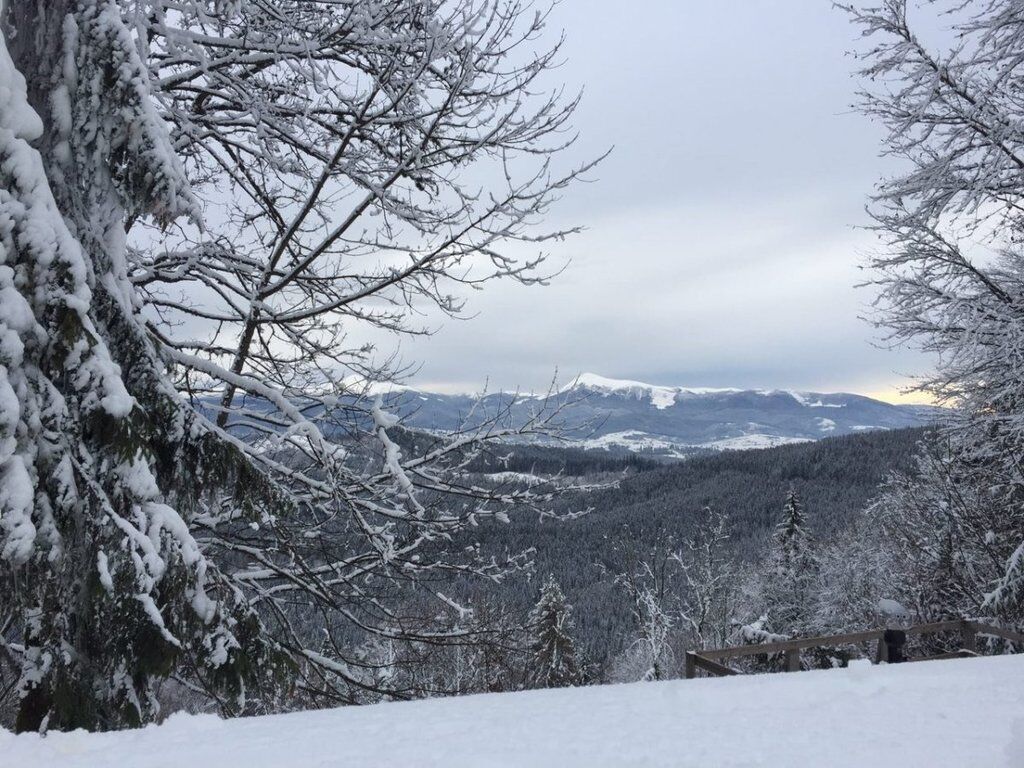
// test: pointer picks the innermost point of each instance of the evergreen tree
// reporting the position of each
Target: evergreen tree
(554, 662)
(174, 325)
(101, 574)
(791, 572)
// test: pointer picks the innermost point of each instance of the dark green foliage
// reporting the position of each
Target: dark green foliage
(106, 591)
(553, 661)
(791, 567)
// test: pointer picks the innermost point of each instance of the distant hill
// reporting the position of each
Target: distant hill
(672, 422)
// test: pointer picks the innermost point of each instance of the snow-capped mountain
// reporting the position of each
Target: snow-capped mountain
(672, 420)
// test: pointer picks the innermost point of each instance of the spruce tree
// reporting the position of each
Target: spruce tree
(554, 662)
(179, 182)
(792, 567)
(100, 573)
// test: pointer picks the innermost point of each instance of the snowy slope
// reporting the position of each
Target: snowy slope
(658, 396)
(942, 713)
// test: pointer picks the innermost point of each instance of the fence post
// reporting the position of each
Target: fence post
(793, 660)
(691, 665)
(890, 646)
(969, 637)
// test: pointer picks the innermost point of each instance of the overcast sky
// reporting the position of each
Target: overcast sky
(722, 246)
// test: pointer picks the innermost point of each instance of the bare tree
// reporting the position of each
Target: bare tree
(951, 279)
(289, 174)
(648, 581)
(710, 581)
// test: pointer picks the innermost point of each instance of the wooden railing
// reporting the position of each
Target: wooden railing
(889, 649)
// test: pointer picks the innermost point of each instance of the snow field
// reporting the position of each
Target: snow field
(959, 713)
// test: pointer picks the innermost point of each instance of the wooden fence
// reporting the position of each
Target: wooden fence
(889, 648)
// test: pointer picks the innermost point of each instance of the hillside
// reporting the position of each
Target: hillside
(941, 713)
(670, 422)
(836, 477)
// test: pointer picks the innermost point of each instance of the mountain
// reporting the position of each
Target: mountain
(668, 421)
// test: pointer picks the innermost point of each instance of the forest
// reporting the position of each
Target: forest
(656, 508)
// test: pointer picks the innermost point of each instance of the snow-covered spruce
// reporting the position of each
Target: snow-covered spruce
(791, 570)
(168, 490)
(102, 577)
(553, 662)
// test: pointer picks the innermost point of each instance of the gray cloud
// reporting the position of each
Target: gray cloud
(722, 246)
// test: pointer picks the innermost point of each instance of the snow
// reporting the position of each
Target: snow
(805, 399)
(748, 442)
(517, 477)
(936, 714)
(634, 440)
(826, 425)
(103, 566)
(660, 397)
(16, 501)
(16, 116)
(392, 453)
(153, 612)
(889, 607)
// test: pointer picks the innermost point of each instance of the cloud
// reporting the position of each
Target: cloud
(721, 248)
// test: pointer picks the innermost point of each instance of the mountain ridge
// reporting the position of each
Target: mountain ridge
(668, 421)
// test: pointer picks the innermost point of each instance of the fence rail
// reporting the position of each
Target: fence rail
(889, 649)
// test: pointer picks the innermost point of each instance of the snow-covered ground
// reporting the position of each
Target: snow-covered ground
(640, 442)
(635, 440)
(941, 713)
(750, 442)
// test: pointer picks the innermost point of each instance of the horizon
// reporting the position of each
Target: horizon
(893, 397)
